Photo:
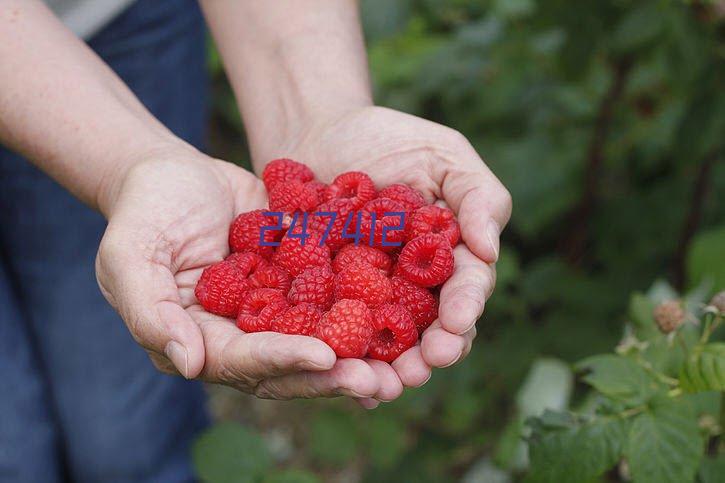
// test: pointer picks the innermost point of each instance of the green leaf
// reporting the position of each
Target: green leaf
(706, 258)
(564, 448)
(705, 369)
(640, 314)
(640, 26)
(712, 469)
(230, 453)
(619, 378)
(664, 443)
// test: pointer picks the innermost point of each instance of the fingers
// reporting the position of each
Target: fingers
(411, 368)
(440, 348)
(463, 296)
(143, 291)
(482, 203)
(348, 377)
(242, 360)
(390, 386)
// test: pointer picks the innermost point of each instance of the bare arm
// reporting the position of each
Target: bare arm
(66, 110)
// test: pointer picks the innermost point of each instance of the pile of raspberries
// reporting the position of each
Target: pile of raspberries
(363, 281)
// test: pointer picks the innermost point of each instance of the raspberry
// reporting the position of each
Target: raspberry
(291, 196)
(244, 233)
(362, 281)
(433, 219)
(285, 170)
(301, 319)
(347, 328)
(221, 287)
(246, 262)
(380, 206)
(343, 207)
(258, 307)
(269, 276)
(669, 316)
(421, 304)
(353, 185)
(314, 285)
(294, 256)
(427, 260)
(410, 198)
(318, 187)
(350, 254)
(395, 332)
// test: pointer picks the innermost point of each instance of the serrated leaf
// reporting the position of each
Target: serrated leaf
(619, 378)
(664, 443)
(640, 314)
(712, 469)
(230, 453)
(705, 369)
(564, 449)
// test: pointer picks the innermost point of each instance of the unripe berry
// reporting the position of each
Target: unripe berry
(669, 316)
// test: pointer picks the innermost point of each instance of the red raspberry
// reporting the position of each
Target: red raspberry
(247, 262)
(433, 219)
(343, 208)
(269, 276)
(294, 256)
(258, 307)
(380, 206)
(285, 170)
(353, 185)
(244, 233)
(291, 196)
(350, 254)
(347, 328)
(410, 198)
(301, 319)
(427, 260)
(362, 281)
(221, 287)
(421, 304)
(318, 187)
(314, 285)
(395, 332)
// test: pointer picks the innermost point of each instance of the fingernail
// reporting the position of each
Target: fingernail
(493, 232)
(369, 403)
(178, 354)
(453, 361)
(430, 374)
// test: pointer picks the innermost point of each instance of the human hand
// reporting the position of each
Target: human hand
(393, 147)
(168, 219)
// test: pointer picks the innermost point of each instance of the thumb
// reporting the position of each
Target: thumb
(143, 291)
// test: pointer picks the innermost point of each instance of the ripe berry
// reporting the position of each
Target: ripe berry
(342, 207)
(350, 254)
(395, 332)
(347, 328)
(315, 285)
(221, 287)
(393, 238)
(362, 281)
(244, 233)
(318, 187)
(291, 196)
(410, 198)
(269, 276)
(285, 170)
(421, 304)
(294, 256)
(353, 185)
(433, 219)
(427, 260)
(246, 262)
(258, 308)
(301, 319)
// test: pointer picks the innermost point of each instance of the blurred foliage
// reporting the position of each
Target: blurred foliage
(606, 121)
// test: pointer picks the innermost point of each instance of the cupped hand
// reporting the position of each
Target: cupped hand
(393, 147)
(170, 219)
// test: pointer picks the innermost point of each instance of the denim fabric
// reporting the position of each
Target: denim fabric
(79, 399)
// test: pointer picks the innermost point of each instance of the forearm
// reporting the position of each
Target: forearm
(291, 63)
(65, 110)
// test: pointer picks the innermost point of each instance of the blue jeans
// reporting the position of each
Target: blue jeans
(79, 400)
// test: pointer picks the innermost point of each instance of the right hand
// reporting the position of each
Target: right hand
(168, 219)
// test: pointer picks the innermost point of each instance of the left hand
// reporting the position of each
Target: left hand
(393, 147)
